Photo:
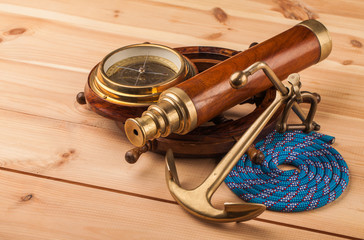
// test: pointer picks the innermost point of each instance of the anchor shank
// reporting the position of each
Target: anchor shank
(215, 179)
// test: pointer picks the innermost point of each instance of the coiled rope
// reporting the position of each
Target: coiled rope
(322, 177)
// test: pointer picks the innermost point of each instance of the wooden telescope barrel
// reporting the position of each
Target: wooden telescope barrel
(191, 103)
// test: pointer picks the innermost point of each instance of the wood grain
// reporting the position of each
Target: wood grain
(31, 151)
(80, 187)
(40, 209)
(343, 51)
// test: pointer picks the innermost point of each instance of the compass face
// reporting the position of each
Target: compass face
(143, 65)
(136, 75)
(143, 70)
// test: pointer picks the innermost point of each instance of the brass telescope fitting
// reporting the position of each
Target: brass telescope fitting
(322, 35)
(173, 113)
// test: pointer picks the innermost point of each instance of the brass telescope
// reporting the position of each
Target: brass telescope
(184, 107)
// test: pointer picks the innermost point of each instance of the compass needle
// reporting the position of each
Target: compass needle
(127, 68)
(163, 74)
(145, 60)
(141, 69)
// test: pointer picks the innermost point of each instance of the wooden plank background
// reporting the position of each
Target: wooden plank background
(62, 171)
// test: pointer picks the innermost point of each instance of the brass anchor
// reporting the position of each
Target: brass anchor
(198, 201)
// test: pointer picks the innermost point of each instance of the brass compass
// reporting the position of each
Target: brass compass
(135, 75)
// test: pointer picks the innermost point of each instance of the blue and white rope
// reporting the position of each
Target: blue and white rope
(322, 177)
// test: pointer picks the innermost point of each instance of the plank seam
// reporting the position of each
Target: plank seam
(56, 119)
(167, 201)
(98, 127)
(307, 229)
(87, 185)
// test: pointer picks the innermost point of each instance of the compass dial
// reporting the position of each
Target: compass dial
(142, 71)
(136, 75)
